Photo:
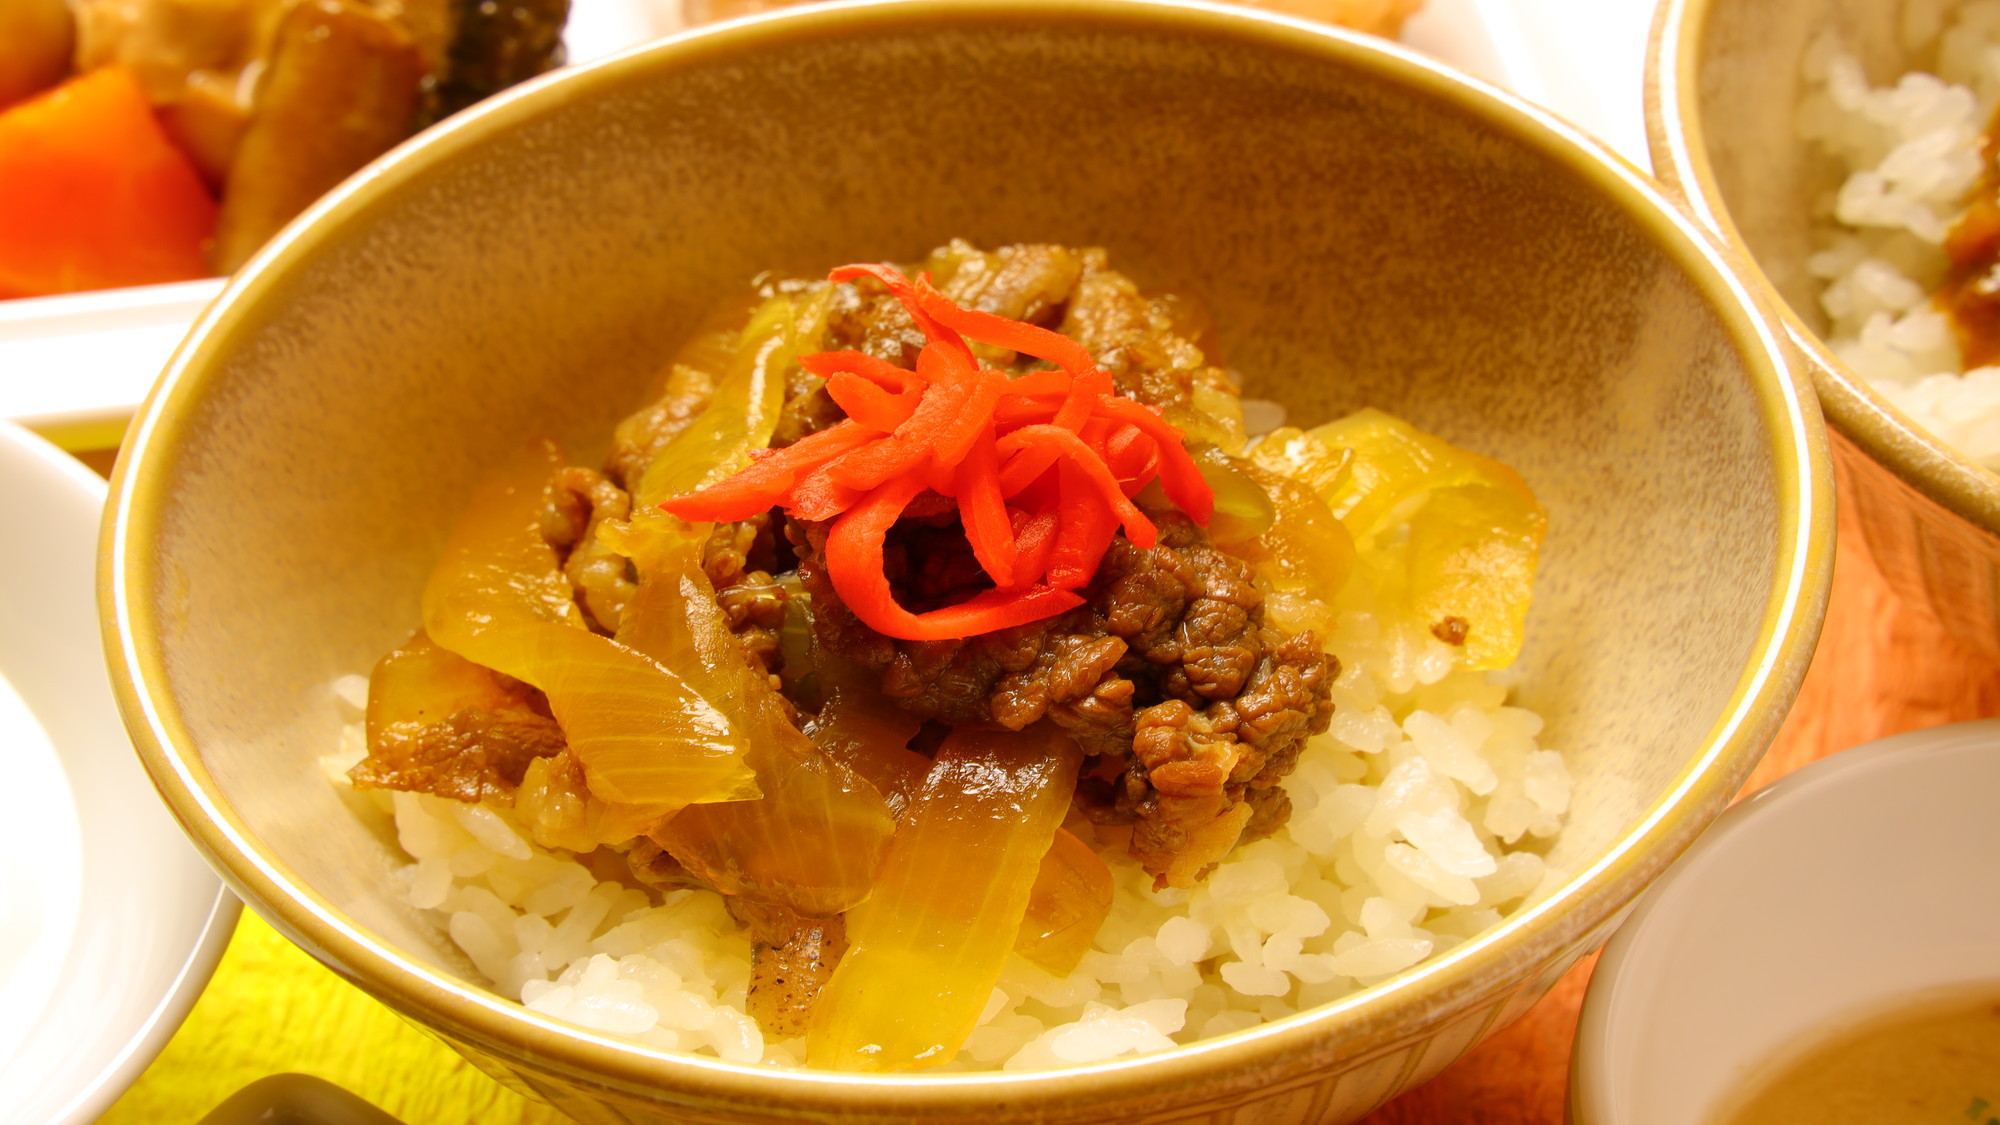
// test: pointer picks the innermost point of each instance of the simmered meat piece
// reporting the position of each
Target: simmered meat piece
(1029, 281)
(581, 500)
(739, 559)
(1151, 357)
(1168, 672)
(865, 318)
(440, 724)
(472, 755)
(680, 397)
(791, 957)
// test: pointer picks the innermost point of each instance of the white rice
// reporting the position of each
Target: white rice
(1910, 157)
(1418, 821)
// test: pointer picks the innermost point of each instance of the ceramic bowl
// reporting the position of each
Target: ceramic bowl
(1839, 890)
(1366, 227)
(1722, 98)
(110, 924)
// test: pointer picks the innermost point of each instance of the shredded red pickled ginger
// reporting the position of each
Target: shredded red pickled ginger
(1042, 466)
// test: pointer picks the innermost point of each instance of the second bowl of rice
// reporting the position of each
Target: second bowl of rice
(1842, 146)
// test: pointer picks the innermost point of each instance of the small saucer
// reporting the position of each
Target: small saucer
(110, 923)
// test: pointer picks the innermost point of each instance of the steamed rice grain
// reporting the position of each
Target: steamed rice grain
(1909, 155)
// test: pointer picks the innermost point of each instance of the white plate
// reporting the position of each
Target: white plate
(73, 368)
(110, 923)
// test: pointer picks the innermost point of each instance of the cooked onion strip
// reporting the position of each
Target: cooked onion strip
(812, 842)
(927, 947)
(498, 597)
(1070, 900)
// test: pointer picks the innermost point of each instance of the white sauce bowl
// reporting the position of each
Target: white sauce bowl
(1858, 881)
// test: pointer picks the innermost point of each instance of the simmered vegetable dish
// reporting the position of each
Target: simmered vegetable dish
(194, 129)
(945, 639)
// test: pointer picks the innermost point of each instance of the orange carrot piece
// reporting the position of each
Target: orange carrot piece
(1081, 401)
(1014, 335)
(94, 195)
(867, 403)
(768, 478)
(1085, 532)
(872, 368)
(975, 410)
(1034, 537)
(1183, 482)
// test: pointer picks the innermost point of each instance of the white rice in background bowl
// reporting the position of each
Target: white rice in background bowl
(1419, 820)
(1909, 157)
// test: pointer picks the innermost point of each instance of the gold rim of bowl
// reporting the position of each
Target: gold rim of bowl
(1679, 147)
(1368, 1023)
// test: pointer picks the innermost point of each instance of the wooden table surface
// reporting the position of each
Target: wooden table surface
(1880, 668)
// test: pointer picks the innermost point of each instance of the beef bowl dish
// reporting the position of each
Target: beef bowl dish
(1190, 571)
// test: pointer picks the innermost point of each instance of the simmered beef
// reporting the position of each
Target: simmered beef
(438, 723)
(470, 756)
(791, 957)
(581, 500)
(1167, 676)
(739, 559)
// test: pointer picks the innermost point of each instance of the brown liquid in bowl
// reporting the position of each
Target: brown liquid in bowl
(1935, 1060)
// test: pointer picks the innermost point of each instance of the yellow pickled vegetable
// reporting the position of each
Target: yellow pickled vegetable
(1473, 550)
(1475, 529)
(927, 947)
(1291, 452)
(497, 597)
(1070, 900)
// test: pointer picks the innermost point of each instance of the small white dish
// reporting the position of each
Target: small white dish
(110, 923)
(1862, 880)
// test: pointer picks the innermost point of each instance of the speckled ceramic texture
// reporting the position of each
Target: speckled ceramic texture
(1366, 228)
(1722, 99)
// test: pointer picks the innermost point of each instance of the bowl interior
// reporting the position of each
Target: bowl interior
(1747, 63)
(1365, 230)
(1839, 891)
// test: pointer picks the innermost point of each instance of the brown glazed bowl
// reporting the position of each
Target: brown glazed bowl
(1366, 227)
(1722, 97)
